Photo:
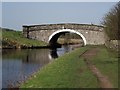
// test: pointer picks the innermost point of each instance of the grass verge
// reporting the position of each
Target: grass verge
(107, 62)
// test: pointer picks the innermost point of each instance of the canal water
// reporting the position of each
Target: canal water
(18, 65)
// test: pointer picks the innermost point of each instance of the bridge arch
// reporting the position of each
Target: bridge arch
(55, 35)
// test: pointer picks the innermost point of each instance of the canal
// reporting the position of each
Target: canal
(18, 65)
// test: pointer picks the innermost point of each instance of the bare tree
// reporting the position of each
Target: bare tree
(111, 22)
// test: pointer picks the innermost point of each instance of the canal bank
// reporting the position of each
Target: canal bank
(12, 39)
(71, 71)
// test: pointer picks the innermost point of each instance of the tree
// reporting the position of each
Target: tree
(111, 22)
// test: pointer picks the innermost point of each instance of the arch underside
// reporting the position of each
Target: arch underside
(54, 37)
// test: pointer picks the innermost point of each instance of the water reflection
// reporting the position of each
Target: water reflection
(18, 65)
(55, 53)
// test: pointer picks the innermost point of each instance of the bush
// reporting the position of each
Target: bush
(111, 22)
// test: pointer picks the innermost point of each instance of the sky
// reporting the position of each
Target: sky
(17, 14)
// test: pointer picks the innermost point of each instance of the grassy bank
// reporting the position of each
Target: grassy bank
(70, 71)
(16, 39)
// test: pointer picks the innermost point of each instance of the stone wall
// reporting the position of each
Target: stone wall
(94, 34)
(113, 44)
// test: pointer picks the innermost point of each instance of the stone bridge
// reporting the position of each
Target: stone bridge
(91, 34)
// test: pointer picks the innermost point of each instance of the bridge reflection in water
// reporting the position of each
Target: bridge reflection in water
(18, 65)
(56, 52)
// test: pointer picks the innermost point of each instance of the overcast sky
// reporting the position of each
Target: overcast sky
(16, 14)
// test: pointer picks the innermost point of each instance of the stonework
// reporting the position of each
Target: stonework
(93, 34)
